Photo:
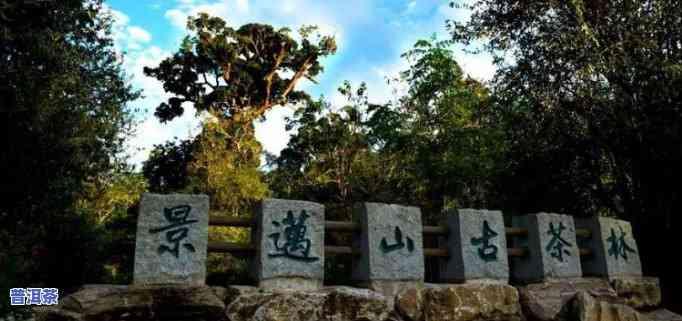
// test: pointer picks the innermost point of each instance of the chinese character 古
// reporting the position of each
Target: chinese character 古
(556, 245)
(487, 252)
(295, 246)
(176, 230)
(618, 246)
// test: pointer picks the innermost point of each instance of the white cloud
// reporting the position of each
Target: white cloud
(271, 132)
(138, 34)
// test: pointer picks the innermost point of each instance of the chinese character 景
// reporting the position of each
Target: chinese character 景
(176, 231)
(487, 252)
(295, 246)
(556, 245)
(17, 296)
(399, 244)
(618, 245)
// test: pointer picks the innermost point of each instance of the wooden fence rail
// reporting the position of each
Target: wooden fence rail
(343, 226)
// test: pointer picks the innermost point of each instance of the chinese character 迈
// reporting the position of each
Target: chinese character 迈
(296, 246)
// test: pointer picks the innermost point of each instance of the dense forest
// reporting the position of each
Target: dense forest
(583, 117)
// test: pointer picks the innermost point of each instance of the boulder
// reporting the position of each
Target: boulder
(460, 302)
(164, 302)
(333, 304)
(662, 315)
(551, 300)
(587, 308)
(638, 292)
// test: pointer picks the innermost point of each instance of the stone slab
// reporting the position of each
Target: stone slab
(290, 237)
(477, 245)
(171, 239)
(552, 250)
(614, 250)
(390, 241)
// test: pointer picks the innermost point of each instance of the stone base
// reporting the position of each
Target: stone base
(465, 302)
(638, 292)
(290, 284)
(390, 288)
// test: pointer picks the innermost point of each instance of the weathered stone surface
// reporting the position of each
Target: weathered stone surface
(297, 254)
(587, 308)
(477, 244)
(551, 300)
(553, 251)
(346, 303)
(53, 313)
(614, 250)
(335, 303)
(638, 292)
(170, 302)
(391, 242)
(661, 315)
(171, 239)
(460, 302)
(389, 288)
(231, 292)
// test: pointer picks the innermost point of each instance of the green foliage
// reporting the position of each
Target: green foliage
(63, 95)
(236, 73)
(592, 102)
(434, 148)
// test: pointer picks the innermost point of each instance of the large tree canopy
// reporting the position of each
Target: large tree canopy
(238, 73)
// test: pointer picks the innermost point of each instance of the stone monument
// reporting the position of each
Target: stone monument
(553, 252)
(613, 247)
(391, 246)
(290, 238)
(477, 245)
(171, 239)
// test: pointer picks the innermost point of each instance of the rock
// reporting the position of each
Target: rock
(460, 302)
(638, 292)
(229, 293)
(550, 300)
(587, 308)
(334, 303)
(662, 315)
(169, 302)
(409, 303)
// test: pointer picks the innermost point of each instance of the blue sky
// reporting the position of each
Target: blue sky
(371, 35)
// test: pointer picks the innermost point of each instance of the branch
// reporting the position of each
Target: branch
(268, 77)
(297, 76)
(226, 72)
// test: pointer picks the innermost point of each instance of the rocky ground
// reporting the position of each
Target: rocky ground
(577, 299)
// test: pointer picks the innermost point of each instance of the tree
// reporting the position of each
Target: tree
(64, 119)
(593, 90)
(236, 74)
